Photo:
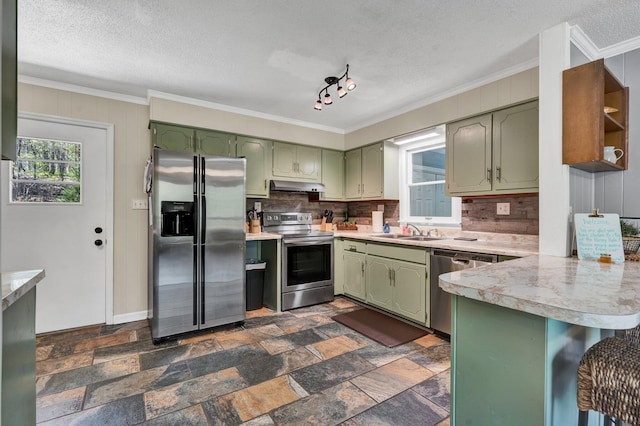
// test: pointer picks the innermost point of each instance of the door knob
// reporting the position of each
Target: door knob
(98, 230)
(98, 243)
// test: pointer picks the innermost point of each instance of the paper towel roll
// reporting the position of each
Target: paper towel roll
(376, 221)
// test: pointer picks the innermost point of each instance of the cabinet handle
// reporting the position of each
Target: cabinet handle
(265, 184)
(393, 274)
(352, 248)
(358, 188)
(489, 175)
(498, 173)
(362, 264)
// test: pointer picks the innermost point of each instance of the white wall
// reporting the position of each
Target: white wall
(131, 150)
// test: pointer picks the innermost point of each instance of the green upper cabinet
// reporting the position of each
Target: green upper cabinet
(515, 148)
(172, 137)
(372, 172)
(494, 153)
(258, 155)
(353, 174)
(215, 143)
(296, 161)
(332, 175)
(9, 82)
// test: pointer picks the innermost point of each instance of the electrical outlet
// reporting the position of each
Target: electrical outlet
(503, 209)
(380, 207)
(140, 204)
(258, 206)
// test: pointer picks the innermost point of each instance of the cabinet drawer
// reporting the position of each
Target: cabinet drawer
(353, 245)
(396, 252)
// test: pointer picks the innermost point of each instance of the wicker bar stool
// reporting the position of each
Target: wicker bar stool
(609, 379)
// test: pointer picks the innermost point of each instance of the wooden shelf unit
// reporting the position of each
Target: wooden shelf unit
(586, 127)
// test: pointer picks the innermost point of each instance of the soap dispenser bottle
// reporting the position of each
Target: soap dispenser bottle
(386, 228)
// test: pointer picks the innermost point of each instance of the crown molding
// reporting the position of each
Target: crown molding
(241, 111)
(593, 52)
(507, 72)
(81, 89)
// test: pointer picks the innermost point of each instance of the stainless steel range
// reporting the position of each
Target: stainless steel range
(307, 259)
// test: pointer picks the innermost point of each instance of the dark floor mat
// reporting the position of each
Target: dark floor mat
(380, 327)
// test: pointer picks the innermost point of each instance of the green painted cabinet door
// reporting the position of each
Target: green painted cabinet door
(172, 138)
(296, 161)
(353, 174)
(515, 148)
(332, 175)
(309, 162)
(409, 288)
(354, 274)
(258, 155)
(215, 143)
(378, 278)
(284, 160)
(372, 171)
(468, 161)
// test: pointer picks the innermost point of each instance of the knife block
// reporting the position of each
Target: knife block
(324, 226)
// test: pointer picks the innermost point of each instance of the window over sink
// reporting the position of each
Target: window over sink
(422, 179)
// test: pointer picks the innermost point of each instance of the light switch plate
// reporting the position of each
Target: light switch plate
(139, 204)
(503, 209)
(380, 207)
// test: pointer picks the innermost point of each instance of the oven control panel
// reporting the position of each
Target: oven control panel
(283, 218)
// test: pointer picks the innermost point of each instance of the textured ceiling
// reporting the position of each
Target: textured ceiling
(272, 56)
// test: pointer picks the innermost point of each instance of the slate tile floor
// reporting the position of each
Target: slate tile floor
(291, 368)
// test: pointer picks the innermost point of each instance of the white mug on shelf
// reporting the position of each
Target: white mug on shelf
(611, 154)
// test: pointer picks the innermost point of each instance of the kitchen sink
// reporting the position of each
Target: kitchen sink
(391, 236)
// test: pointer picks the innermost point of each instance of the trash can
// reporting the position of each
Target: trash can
(255, 283)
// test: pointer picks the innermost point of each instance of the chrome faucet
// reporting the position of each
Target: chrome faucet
(414, 227)
(435, 233)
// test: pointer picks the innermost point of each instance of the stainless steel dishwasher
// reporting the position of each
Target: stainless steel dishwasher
(443, 261)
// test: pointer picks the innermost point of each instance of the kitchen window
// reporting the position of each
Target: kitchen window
(422, 180)
(46, 171)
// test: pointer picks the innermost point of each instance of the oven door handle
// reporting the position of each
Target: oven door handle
(306, 241)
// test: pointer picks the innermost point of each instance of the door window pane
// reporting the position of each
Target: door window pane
(46, 171)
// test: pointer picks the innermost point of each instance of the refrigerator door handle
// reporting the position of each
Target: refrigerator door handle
(195, 284)
(203, 235)
(195, 175)
(203, 174)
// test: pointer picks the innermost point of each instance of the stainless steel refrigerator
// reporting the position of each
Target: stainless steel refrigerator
(196, 242)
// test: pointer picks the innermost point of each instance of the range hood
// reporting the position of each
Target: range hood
(295, 186)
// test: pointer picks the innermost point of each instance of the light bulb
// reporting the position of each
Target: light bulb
(350, 84)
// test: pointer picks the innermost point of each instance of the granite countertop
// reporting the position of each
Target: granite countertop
(490, 243)
(262, 236)
(17, 284)
(582, 292)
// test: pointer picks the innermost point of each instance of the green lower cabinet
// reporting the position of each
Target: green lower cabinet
(397, 286)
(378, 277)
(409, 287)
(514, 368)
(354, 275)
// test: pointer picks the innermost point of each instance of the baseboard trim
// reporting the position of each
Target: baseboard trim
(130, 317)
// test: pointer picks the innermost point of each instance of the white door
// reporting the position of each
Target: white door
(67, 239)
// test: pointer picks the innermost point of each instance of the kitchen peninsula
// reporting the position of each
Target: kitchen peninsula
(19, 346)
(520, 329)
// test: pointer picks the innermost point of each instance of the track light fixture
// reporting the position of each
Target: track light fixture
(349, 84)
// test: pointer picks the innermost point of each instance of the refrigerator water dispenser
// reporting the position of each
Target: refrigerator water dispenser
(177, 218)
